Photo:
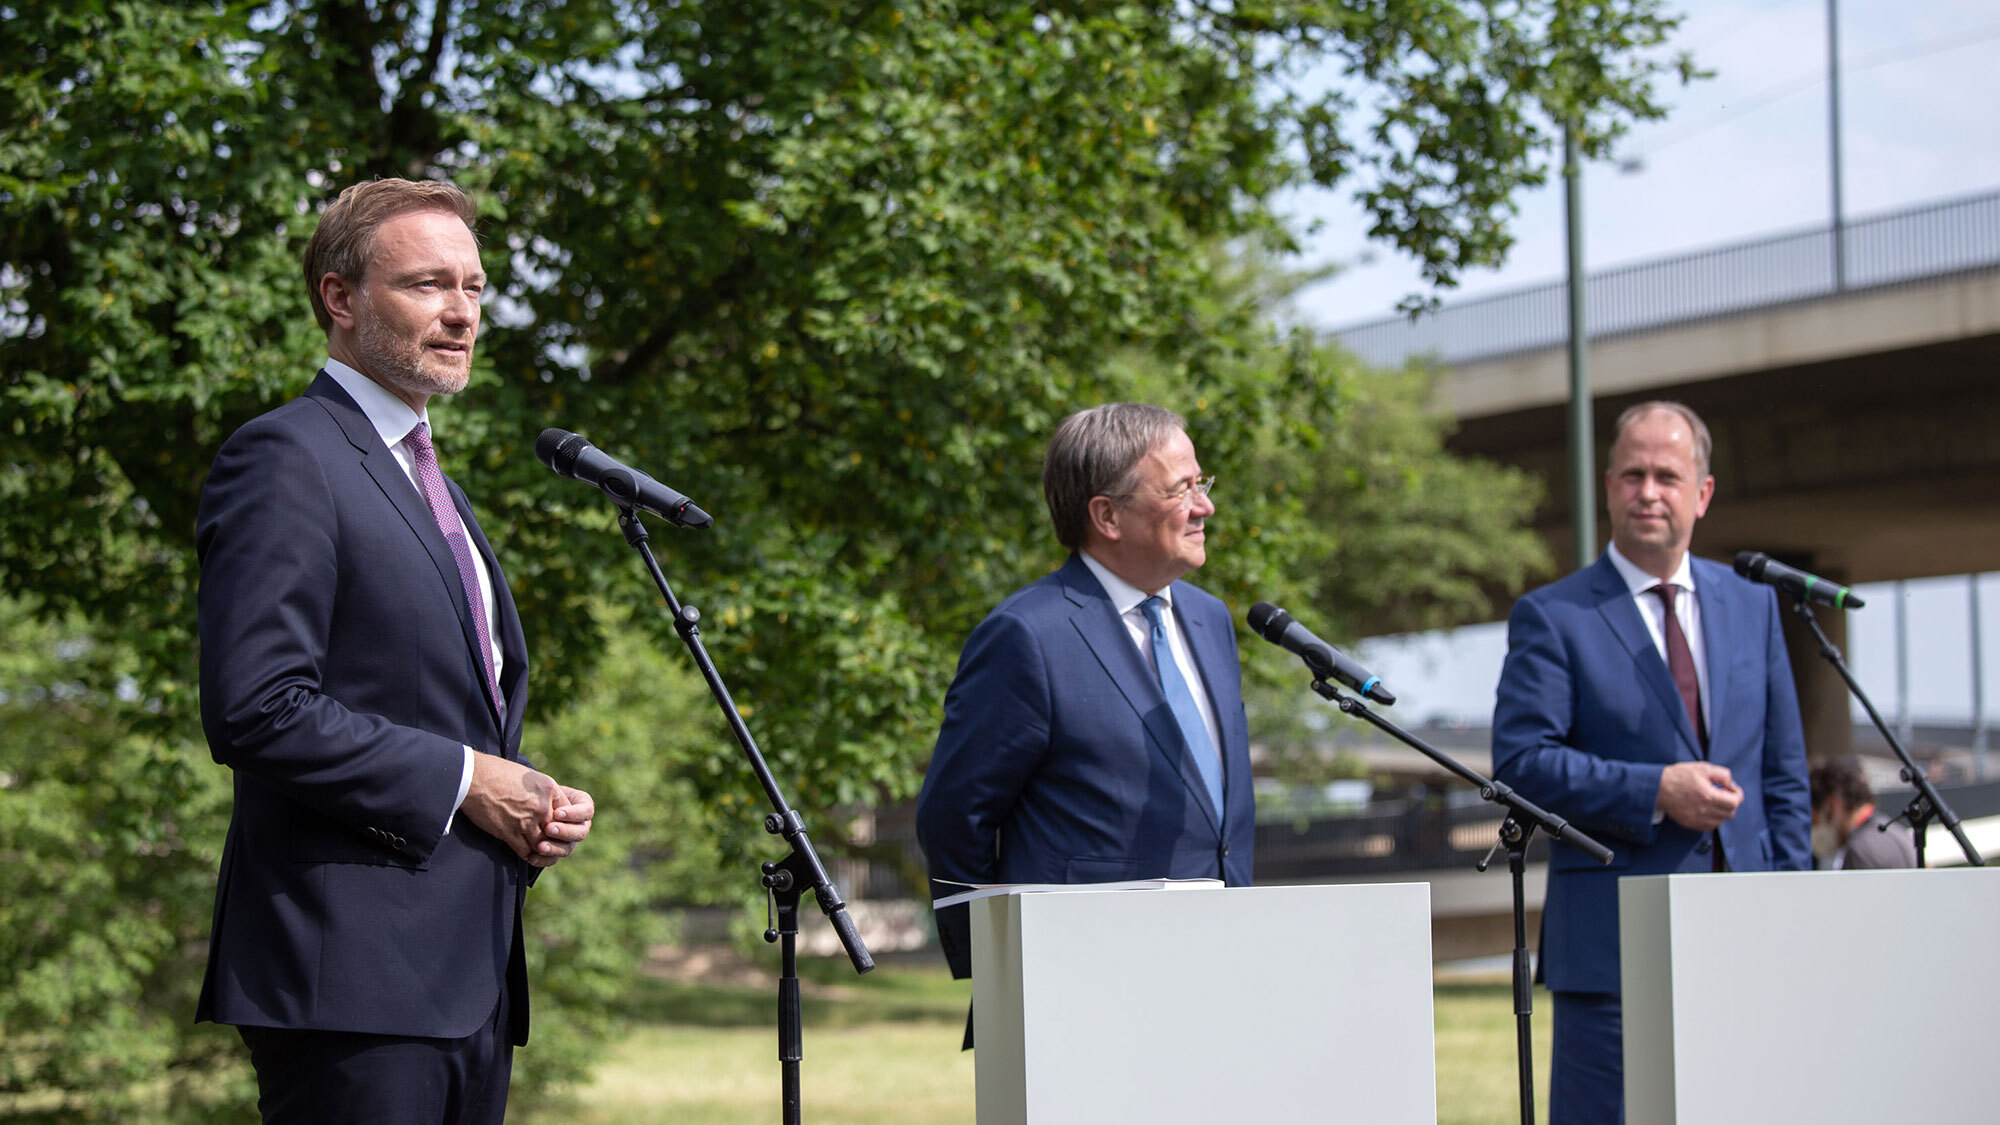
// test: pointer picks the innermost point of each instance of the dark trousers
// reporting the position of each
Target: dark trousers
(1587, 1064)
(334, 1077)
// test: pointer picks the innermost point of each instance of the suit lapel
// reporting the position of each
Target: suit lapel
(1098, 623)
(1615, 604)
(388, 475)
(1212, 659)
(513, 642)
(1711, 593)
(478, 541)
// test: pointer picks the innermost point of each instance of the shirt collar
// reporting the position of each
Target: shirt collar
(391, 416)
(1638, 581)
(1125, 597)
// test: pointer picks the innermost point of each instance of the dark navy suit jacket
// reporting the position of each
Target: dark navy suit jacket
(339, 678)
(1588, 718)
(1060, 762)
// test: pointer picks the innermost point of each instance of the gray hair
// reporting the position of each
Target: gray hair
(1096, 452)
(1697, 429)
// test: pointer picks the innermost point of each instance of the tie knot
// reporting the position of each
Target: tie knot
(1151, 608)
(1667, 590)
(419, 438)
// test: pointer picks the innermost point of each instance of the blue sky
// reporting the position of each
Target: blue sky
(1742, 154)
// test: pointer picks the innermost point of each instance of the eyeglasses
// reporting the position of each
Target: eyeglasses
(1184, 496)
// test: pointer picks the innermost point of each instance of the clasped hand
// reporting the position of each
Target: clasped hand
(1698, 795)
(541, 821)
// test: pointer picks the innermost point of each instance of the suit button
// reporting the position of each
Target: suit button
(399, 842)
(1705, 846)
(1225, 851)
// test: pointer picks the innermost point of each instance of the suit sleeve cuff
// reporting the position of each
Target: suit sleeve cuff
(464, 787)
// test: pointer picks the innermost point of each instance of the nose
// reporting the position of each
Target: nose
(1203, 506)
(460, 308)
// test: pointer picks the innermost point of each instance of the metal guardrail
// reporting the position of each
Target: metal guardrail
(1921, 243)
(1441, 829)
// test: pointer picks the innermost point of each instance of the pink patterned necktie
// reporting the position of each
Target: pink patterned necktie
(424, 458)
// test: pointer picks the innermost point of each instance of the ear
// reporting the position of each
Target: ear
(338, 297)
(1703, 495)
(1104, 518)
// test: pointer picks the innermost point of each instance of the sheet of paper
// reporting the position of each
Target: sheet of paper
(986, 890)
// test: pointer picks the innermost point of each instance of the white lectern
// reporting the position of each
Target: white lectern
(1816, 996)
(1204, 1005)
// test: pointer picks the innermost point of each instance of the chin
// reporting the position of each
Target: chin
(448, 382)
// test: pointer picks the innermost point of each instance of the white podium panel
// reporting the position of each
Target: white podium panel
(1204, 1006)
(1757, 997)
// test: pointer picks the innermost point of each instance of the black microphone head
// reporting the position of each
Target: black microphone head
(559, 449)
(1268, 621)
(1750, 564)
(547, 444)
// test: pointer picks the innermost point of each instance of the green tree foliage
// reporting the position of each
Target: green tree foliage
(834, 268)
(1382, 529)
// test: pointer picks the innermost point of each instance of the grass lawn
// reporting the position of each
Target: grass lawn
(883, 1049)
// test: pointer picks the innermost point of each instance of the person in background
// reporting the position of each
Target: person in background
(1847, 833)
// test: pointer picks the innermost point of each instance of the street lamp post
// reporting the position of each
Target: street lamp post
(1582, 451)
(1833, 142)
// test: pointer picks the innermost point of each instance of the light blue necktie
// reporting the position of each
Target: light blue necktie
(1181, 700)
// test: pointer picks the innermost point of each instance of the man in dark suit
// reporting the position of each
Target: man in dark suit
(1095, 731)
(364, 675)
(1647, 698)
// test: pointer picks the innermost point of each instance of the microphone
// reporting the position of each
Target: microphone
(571, 456)
(1275, 625)
(1760, 567)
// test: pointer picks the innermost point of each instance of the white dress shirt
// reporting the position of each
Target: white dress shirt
(393, 420)
(1126, 599)
(1653, 612)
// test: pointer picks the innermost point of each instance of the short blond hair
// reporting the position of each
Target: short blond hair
(1697, 429)
(345, 237)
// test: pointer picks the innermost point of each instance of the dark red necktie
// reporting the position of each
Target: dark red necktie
(1680, 661)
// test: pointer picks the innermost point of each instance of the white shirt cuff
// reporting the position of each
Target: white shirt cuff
(464, 787)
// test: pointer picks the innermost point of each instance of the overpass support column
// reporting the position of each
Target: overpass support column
(1823, 700)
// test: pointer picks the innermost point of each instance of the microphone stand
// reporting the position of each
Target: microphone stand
(1926, 805)
(785, 880)
(1523, 818)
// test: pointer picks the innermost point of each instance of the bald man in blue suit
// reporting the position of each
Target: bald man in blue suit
(1095, 731)
(1662, 721)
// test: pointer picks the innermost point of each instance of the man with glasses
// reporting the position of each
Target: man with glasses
(1095, 730)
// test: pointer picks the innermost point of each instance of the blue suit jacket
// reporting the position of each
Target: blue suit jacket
(1060, 762)
(1587, 719)
(339, 678)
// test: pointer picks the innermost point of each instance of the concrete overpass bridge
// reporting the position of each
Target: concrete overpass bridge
(1855, 403)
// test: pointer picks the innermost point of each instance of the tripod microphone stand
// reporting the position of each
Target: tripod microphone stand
(784, 880)
(1522, 820)
(1926, 805)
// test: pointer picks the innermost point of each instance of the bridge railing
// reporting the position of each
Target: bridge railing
(1437, 829)
(1921, 243)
